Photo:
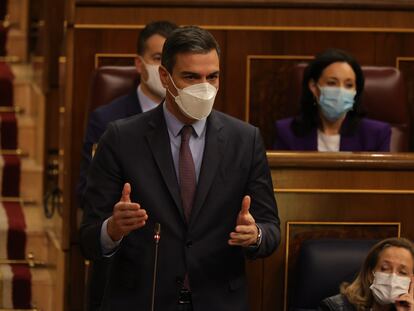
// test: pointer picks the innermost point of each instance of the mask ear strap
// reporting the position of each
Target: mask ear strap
(171, 93)
(167, 88)
(143, 61)
(169, 75)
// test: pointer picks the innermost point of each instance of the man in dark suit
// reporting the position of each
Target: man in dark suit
(148, 94)
(202, 175)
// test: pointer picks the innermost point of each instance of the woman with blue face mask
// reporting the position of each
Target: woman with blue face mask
(331, 118)
(384, 283)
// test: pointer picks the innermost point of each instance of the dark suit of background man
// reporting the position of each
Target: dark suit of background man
(148, 94)
(212, 193)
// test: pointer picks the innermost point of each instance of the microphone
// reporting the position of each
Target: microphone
(157, 237)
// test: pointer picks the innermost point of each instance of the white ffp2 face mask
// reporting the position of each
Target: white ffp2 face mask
(195, 101)
(153, 81)
(389, 286)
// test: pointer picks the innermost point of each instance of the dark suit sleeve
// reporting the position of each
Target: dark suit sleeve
(94, 130)
(103, 191)
(263, 206)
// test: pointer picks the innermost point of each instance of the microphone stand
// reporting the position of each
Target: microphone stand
(157, 236)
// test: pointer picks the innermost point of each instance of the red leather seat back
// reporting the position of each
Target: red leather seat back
(110, 82)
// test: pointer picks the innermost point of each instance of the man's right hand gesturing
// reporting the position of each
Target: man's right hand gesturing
(126, 216)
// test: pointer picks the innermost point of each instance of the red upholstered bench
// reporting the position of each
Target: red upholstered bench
(6, 85)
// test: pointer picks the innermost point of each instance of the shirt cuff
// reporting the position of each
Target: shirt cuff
(109, 246)
(259, 238)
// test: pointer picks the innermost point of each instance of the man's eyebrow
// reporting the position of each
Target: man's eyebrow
(189, 73)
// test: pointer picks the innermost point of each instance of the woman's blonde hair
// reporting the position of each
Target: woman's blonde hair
(358, 292)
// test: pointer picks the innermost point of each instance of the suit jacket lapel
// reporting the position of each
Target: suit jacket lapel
(159, 143)
(213, 152)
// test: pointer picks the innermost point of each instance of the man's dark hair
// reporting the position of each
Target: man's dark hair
(162, 28)
(188, 39)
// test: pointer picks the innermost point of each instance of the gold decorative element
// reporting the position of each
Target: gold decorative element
(259, 28)
(341, 160)
(15, 109)
(248, 73)
(17, 152)
(322, 223)
(343, 191)
(23, 202)
(29, 261)
(400, 59)
(111, 55)
(108, 26)
(10, 59)
(19, 309)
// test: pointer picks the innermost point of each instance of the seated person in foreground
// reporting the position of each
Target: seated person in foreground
(330, 118)
(385, 281)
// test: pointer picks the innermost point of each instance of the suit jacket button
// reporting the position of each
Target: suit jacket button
(189, 244)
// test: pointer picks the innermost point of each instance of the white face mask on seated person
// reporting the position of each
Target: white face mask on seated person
(195, 101)
(153, 81)
(386, 287)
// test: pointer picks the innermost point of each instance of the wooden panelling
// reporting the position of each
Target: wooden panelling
(251, 34)
(406, 65)
(301, 181)
(252, 17)
(267, 85)
(384, 4)
(110, 59)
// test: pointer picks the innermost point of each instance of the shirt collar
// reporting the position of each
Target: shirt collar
(145, 102)
(174, 125)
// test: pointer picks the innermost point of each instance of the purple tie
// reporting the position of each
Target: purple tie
(187, 171)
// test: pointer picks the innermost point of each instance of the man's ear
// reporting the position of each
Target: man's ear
(163, 76)
(138, 64)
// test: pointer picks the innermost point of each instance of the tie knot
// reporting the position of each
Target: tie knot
(186, 132)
